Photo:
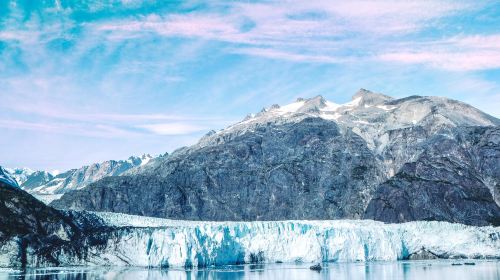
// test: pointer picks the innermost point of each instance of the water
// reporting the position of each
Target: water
(427, 270)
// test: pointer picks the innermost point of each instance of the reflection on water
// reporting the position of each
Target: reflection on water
(427, 270)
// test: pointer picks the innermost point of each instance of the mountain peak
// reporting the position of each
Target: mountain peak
(313, 104)
(317, 98)
(370, 98)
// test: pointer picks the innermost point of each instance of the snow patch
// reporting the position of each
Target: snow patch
(386, 107)
(330, 107)
(145, 159)
(290, 108)
(330, 116)
(353, 103)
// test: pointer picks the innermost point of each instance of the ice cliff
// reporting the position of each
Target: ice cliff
(153, 242)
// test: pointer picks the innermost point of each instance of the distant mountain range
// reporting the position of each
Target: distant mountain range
(46, 186)
(376, 157)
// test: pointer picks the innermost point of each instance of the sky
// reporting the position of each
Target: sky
(87, 81)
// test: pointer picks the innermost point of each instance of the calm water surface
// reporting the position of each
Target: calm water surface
(427, 270)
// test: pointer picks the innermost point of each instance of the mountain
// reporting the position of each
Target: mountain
(314, 159)
(20, 174)
(47, 187)
(78, 178)
(456, 178)
(304, 170)
(27, 223)
(33, 179)
(34, 234)
(7, 178)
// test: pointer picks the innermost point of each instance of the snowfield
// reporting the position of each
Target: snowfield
(154, 242)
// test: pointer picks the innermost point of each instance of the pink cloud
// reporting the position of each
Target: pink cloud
(274, 22)
(456, 54)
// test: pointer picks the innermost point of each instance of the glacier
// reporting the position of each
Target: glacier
(155, 242)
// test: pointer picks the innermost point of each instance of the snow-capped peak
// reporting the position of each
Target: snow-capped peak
(139, 160)
(24, 170)
(369, 108)
(319, 104)
(316, 104)
(20, 174)
(290, 108)
(330, 106)
(370, 115)
(145, 158)
(366, 97)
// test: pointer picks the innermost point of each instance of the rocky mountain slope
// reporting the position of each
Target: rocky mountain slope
(314, 159)
(309, 169)
(26, 222)
(35, 179)
(456, 179)
(34, 234)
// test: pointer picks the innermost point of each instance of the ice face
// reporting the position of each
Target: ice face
(153, 242)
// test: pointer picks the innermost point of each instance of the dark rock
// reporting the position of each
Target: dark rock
(30, 229)
(306, 170)
(423, 254)
(316, 267)
(20, 213)
(452, 180)
(257, 258)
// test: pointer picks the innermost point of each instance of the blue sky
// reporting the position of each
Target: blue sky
(87, 81)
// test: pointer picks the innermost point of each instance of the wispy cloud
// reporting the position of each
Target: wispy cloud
(323, 32)
(464, 53)
(290, 56)
(87, 130)
(285, 22)
(307, 31)
(106, 125)
(110, 130)
(173, 128)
